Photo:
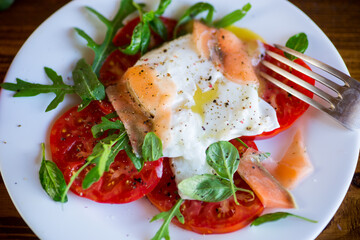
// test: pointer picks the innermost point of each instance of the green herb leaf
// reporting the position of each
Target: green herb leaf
(145, 37)
(224, 158)
(299, 42)
(51, 179)
(5, 4)
(163, 232)
(26, 89)
(106, 47)
(106, 124)
(87, 85)
(192, 12)
(270, 217)
(162, 7)
(152, 147)
(136, 39)
(137, 161)
(159, 27)
(206, 187)
(233, 17)
(102, 156)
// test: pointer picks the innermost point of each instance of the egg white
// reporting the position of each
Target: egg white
(236, 110)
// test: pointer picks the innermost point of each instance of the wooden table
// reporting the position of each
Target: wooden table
(340, 20)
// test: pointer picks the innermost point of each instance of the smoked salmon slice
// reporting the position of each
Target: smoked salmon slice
(294, 166)
(227, 52)
(270, 192)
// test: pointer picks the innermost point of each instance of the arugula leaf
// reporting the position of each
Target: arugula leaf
(270, 217)
(101, 157)
(224, 158)
(26, 89)
(140, 38)
(233, 17)
(137, 161)
(51, 179)
(87, 85)
(152, 147)
(192, 12)
(163, 232)
(106, 47)
(299, 42)
(106, 124)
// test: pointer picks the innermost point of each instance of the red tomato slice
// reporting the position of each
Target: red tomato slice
(71, 142)
(117, 63)
(203, 217)
(288, 108)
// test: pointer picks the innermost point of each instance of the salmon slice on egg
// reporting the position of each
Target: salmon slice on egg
(193, 91)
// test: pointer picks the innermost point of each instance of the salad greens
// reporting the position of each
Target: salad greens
(141, 35)
(299, 42)
(201, 7)
(163, 232)
(103, 50)
(270, 217)
(52, 179)
(224, 158)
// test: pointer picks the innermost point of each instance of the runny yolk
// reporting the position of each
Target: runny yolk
(245, 34)
(201, 98)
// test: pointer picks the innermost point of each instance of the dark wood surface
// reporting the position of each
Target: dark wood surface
(340, 20)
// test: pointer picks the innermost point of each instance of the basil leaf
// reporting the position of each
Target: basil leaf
(224, 158)
(106, 47)
(271, 217)
(26, 89)
(159, 27)
(299, 42)
(163, 232)
(152, 147)
(192, 12)
(51, 179)
(206, 187)
(102, 156)
(106, 124)
(233, 17)
(87, 85)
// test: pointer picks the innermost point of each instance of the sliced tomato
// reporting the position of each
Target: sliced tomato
(288, 108)
(204, 217)
(117, 63)
(71, 142)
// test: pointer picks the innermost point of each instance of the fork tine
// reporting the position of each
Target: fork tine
(326, 82)
(297, 94)
(342, 76)
(327, 97)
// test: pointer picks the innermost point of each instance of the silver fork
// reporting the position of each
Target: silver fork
(345, 107)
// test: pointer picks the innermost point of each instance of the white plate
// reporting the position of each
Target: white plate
(333, 149)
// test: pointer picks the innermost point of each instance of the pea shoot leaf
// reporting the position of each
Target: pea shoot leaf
(51, 179)
(163, 232)
(233, 17)
(152, 147)
(299, 42)
(271, 217)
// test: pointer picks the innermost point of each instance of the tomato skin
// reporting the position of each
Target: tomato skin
(288, 108)
(203, 217)
(71, 142)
